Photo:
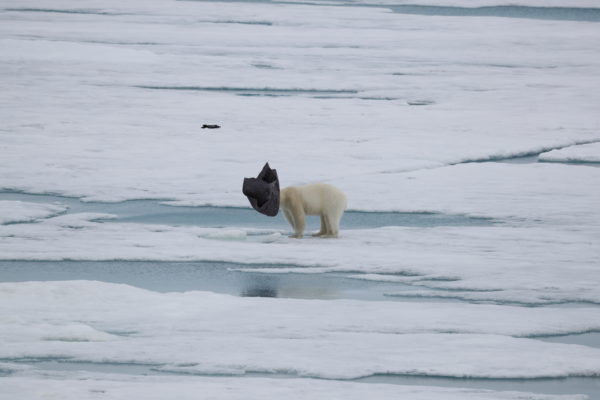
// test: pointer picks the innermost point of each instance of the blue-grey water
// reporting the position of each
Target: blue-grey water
(220, 277)
(154, 212)
(551, 13)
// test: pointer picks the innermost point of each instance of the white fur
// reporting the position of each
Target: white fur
(315, 199)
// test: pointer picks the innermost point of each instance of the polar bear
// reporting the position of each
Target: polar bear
(320, 199)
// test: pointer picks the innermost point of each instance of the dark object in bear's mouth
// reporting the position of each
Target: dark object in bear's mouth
(263, 191)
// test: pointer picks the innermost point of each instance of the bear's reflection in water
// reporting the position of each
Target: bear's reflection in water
(260, 286)
(302, 287)
(259, 291)
(218, 277)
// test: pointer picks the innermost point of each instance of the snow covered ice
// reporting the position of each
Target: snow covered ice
(446, 111)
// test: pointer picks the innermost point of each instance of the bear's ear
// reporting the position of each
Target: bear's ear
(263, 191)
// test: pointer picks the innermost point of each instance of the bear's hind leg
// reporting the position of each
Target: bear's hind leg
(323, 230)
(331, 230)
(332, 222)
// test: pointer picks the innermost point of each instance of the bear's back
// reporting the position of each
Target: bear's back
(321, 197)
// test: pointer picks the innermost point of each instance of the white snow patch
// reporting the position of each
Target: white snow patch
(227, 234)
(52, 51)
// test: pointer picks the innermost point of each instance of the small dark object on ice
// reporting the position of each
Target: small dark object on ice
(263, 191)
(210, 126)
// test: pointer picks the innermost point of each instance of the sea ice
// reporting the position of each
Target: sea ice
(105, 101)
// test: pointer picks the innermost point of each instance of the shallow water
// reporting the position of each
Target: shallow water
(154, 212)
(203, 275)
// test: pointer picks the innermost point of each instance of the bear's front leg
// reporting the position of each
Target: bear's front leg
(298, 226)
(296, 220)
